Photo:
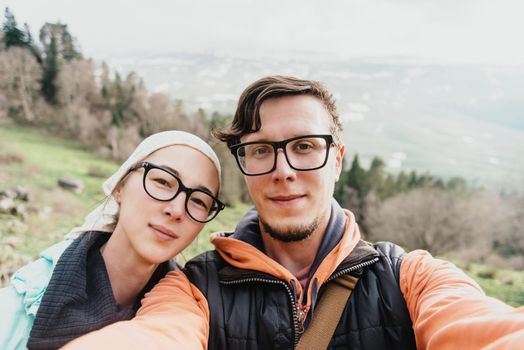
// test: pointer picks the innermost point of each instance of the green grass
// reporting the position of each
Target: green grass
(48, 158)
(41, 159)
(502, 284)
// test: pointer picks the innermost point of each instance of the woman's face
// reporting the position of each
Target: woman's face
(157, 231)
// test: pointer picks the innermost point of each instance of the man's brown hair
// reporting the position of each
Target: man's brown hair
(247, 114)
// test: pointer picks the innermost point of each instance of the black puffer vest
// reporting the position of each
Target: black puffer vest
(254, 310)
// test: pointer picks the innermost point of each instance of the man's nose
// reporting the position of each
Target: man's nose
(283, 171)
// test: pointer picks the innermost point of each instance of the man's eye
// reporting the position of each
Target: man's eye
(260, 151)
(304, 147)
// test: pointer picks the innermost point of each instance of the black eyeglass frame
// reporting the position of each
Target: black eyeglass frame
(181, 188)
(282, 144)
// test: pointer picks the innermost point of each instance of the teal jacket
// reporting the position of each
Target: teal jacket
(19, 301)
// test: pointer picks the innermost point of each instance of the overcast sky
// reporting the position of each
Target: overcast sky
(470, 31)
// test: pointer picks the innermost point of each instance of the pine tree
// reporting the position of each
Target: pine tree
(34, 49)
(375, 175)
(456, 183)
(51, 68)
(69, 51)
(414, 180)
(13, 36)
(356, 178)
(403, 182)
(341, 183)
(118, 106)
(388, 189)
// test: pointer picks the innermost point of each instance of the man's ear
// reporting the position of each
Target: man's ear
(339, 157)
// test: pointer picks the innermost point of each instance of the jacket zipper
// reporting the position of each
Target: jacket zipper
(352, 268)
(297, 323)
(289, 293)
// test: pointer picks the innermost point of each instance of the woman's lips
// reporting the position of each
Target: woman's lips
(163, 232)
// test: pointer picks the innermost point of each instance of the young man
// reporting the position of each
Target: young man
(260, 288)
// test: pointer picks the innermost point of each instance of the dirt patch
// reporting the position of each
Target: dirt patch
(11, 158)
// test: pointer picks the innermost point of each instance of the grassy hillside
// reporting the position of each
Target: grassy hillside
(502, 284)
(36, 160)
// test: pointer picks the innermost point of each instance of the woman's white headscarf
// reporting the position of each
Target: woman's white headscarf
(104, 214)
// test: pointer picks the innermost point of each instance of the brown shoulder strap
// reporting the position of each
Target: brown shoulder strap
(327, 314)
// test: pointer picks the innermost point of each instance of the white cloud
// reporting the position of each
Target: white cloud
(358, 107)
(383, 74)
(468, 139)
(399, 155)
(396, 160)
(353, 117)
(496, 95)
(224, 97)
(493, 160)
(161, 87)
(394, 163)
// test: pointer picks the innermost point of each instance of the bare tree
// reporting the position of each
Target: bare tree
(508, 234)
(122, 141)
(77, 96)
(159, 109)
(20, 82)
(437, 220)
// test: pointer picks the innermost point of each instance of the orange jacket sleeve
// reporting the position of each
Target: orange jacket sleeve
(174, 315)
(450, 311)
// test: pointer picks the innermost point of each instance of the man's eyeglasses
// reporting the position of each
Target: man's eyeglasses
(163, 185)
(307, 152)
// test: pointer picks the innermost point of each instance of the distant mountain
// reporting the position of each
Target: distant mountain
(465, 120)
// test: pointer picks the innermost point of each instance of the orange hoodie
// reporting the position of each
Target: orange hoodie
(448, 309)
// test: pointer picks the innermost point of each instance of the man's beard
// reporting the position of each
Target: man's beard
(293, 234)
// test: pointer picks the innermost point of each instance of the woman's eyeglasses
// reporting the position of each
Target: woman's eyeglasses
(164, 185)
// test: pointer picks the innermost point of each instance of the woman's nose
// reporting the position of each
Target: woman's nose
(176, 208)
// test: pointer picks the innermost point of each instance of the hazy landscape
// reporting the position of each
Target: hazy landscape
(450, 119)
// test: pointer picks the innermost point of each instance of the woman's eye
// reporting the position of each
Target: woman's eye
(162, 182)
(199, 202)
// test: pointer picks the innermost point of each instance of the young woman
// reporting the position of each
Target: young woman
(158, 202)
